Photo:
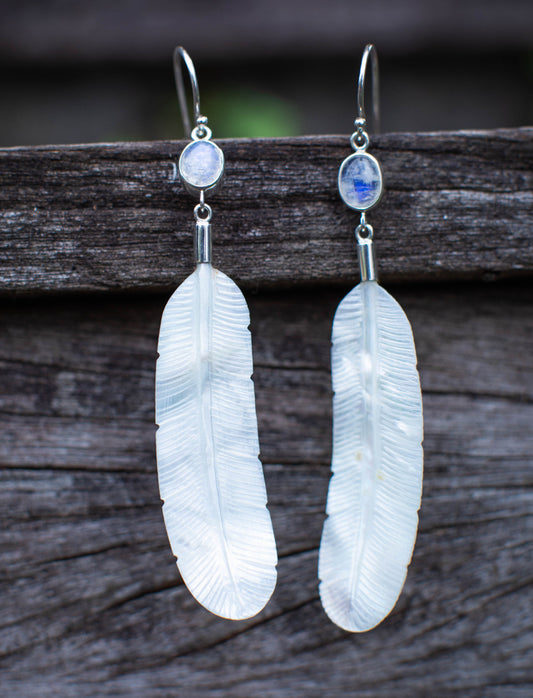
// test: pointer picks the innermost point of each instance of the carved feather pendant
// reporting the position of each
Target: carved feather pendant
(210, 476)
(375, 490)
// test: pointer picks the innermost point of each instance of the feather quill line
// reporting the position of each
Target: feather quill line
(203, 325)
(370, 367)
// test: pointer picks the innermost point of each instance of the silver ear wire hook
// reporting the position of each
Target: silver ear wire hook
(360, 181)
(369, 53)
(201, 163)
(200, 129)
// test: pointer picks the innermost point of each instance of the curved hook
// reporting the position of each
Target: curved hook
(369, 53)
(200, 121)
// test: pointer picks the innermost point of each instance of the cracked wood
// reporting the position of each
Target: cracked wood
(91, 594)
(115, 217)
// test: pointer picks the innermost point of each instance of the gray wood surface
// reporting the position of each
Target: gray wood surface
(115, 217)
(92, 603)
(50, 30)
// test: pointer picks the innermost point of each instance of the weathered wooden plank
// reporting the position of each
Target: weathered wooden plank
(92, 601)
(80, 373)
(114, 217)
(125, 31)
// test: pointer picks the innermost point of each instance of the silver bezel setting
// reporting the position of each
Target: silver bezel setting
(213, 182)
(375, 165)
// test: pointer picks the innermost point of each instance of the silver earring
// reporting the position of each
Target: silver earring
(375, 490)
(210, 476)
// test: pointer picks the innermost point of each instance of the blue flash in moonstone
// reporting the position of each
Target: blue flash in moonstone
(364, 190)
(360, 181)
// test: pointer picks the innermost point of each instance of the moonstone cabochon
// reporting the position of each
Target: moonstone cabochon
(360, 181)
(201, 164)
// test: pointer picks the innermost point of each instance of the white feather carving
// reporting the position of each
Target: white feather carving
(376, 486)
(210, 476)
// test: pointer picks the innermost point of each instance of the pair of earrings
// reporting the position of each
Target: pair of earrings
(210, 476)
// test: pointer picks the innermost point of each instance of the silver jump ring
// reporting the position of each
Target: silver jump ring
(203, 209)
(364, 231)
(355, 141)
(201, 133)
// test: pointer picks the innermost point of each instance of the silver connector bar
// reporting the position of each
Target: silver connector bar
(367, 259)
(202, 241)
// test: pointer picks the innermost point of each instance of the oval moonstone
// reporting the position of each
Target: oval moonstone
(360, 182)
(201, 164)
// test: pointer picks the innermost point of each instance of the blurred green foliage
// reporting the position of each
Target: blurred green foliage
(248, 113)
(235, 113)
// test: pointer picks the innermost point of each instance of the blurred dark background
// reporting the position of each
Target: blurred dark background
(77, 72)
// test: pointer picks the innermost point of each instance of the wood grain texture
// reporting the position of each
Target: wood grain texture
(115, 217)
(92, 603)
(55, 31)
